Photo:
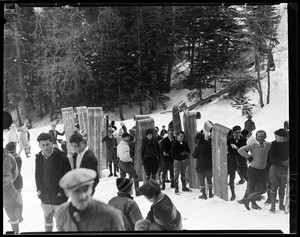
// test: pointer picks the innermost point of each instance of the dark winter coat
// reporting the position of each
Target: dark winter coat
(203, 154)
(88, 161)
(279, 152)
(55, 195)
(54, 136)
(166, 145)
(98, 216)
(125, 203)
(234, 158)
(111, 148)
(164, 213)
(149, 149)
(178, 148)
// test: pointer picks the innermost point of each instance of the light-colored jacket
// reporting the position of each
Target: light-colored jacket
(10, 168)
(123, 152)
(12, 135)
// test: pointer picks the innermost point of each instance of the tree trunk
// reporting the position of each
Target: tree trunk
(192, 57)
(141, 107)
(41, 109)
(19, 62)
(268, 92)
(120, 103)
(19, 116)
(259, 83)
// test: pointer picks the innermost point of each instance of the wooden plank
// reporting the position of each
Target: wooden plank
(141, 126)
(82, 117)
(104, 133)
(176, 116)
(69, 126)
(206, 129)
(190, 130)
(219, 162)
(95, 127)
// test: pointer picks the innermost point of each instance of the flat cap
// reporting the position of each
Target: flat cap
(77, 178)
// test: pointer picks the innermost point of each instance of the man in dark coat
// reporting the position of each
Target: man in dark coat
(279, 158)
(180, 151)
(54, 133)
(111, 151)
(51, 164)
(167, 161)
(149, 154)
(235, 160)
(83, 156)
(249, 124)
(203, 154)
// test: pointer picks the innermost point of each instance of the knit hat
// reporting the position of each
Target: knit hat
(236, 128)
(149, 131)
(281, 132)
(11, 147)
(124, 184)
(7, 120)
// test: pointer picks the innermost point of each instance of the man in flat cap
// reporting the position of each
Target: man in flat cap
(83, 212)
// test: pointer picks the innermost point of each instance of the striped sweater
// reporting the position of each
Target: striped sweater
(164, 213)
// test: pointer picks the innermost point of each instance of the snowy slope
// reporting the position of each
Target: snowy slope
(211, 214)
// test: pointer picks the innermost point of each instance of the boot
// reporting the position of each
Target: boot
(210, 193)
(250, 198)
(184, 188)
(136, 188)
(15, 228)
(49, 227)
(115, 170)
(232, 192)
(163, 184)
(281, 199)
(110, 170)
(273, 199)
(176, 187)
(242, 200)
(268, 201)
(203, 196)
(255, 206)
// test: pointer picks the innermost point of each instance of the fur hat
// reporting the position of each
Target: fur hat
(125, 134)
(124, 184)
(11, 147)
(281, 132)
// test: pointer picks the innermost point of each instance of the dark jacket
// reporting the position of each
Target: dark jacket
(178, 148)
(203, 154)
(125, 203)
(111, 148)
(88, 161)
(164, 213)
(60, 166)
(234, 158)
(54, 137)
(149, 149)
(166, 145)
(279, 152)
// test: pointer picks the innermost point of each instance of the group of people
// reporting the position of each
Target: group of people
(59, 178)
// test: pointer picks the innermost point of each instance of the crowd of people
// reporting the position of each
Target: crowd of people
(263, 165)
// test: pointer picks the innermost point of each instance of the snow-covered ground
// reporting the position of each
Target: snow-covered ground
(211, 214)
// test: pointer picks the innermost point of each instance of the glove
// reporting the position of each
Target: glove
(250, 159)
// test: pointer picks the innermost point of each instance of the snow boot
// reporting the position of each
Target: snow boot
(176, 187)
(115, 170)
(268, 201)
(136, 188)
(210, 193)
(255, 206)
(15, 228)
(250, 198)
(184, 188)
(110, 170)
(273, 199)
(242, 200)
(232, 192)
(49, 227)
(281, 199)
(203, 196)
